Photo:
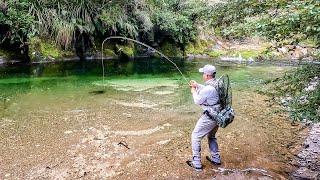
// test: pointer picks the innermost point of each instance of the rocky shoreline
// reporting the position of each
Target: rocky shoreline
(308, 159)
(190, 57)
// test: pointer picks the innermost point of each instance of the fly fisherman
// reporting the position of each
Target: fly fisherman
(207, 97)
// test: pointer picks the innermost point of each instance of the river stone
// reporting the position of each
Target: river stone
(68, 132)
(309, 158)
(283, 50)
(308, 58)
(305, 173)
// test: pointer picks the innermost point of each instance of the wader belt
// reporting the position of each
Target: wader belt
(208, 104)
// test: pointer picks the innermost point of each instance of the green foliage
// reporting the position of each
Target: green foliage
(317, 54)
(64, 21)
(178, 26)
(298, 20)
(224, 14)
(300, 91)
(280, 20)
(115, 18)
(239, 30)
(177, 19)
(15, 21)
(5, 54)
(60, 20)
(50, 50)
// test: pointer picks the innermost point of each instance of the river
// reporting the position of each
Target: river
(61, 120)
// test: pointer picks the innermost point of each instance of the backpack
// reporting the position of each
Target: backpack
(226, 115)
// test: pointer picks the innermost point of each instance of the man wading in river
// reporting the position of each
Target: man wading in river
(208, 98)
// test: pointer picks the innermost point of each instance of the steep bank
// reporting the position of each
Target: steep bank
(248, 50)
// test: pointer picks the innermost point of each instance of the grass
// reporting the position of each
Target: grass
(249, 53)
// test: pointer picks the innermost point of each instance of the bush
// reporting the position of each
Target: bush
(277, 20)
(299, 92)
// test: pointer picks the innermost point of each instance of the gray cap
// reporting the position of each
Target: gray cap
(208, 69)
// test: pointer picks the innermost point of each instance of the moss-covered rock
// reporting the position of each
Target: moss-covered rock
(40, 49)
(50, 50)
(4, 54)
(198, 47)
(170, 50)
(128, 49)
(109, 52)
(216, 53)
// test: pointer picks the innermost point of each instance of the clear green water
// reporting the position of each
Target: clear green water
(46, 89)
(39, 103)
(23, 88)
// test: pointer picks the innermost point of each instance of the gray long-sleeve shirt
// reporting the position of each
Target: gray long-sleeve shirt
(206, 96)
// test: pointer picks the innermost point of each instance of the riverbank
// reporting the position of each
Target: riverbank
(307, 160)
(248, 50)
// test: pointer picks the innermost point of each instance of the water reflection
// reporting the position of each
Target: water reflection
(113, 67)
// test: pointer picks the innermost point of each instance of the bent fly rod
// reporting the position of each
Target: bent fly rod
(143, 44)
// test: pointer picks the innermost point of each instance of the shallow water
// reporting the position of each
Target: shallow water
(63, 120)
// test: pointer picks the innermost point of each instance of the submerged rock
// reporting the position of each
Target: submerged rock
(164, 142)
(68, 132)
(144, 104)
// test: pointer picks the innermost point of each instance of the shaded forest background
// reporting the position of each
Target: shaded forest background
(58, 28)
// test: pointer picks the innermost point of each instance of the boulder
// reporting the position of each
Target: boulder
(308, 58)
(283, 50)
(301, 50)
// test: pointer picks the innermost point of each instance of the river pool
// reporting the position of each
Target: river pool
(62, 120)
